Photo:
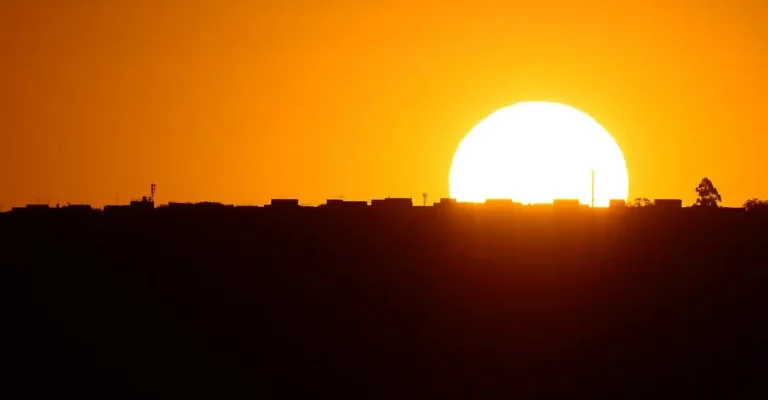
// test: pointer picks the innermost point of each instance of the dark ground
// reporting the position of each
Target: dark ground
(417, 303)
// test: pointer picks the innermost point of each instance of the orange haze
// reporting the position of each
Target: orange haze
(242, 101)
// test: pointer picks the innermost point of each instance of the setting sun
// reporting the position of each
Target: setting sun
(535, 152)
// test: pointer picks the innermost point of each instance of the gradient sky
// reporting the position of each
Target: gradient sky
(243, 101)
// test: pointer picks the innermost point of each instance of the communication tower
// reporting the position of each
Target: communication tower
(424, 195)
(152, 193)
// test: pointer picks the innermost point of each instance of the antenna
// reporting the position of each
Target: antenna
(152, 192)
(593, 188)
(424, 195)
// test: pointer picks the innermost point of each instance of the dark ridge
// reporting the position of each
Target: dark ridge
(388, 302)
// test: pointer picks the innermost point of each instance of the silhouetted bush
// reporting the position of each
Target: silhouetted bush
(641, 202)
(755, 204)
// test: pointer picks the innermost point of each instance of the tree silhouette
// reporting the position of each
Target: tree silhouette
(641, 202)
(756, 204)
(708, 194)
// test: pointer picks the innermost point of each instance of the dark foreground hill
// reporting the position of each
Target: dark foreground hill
(415, 303)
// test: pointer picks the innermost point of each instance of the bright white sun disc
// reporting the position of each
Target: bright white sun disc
(535, 152)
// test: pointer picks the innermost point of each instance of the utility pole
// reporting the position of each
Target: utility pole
(593, 188)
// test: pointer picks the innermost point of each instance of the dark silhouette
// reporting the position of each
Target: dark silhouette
(708, 196)
(617, 203)
(756, 204)
(667, 203)
(641, 202)
(384, 301)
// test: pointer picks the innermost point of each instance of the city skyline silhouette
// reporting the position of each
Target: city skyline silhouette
(380, 200)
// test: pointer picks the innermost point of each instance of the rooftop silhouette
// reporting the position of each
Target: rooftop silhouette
(385, 203)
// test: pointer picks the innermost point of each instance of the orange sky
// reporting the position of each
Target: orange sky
(243, 101)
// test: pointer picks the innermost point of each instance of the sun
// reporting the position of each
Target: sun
(536, 152)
